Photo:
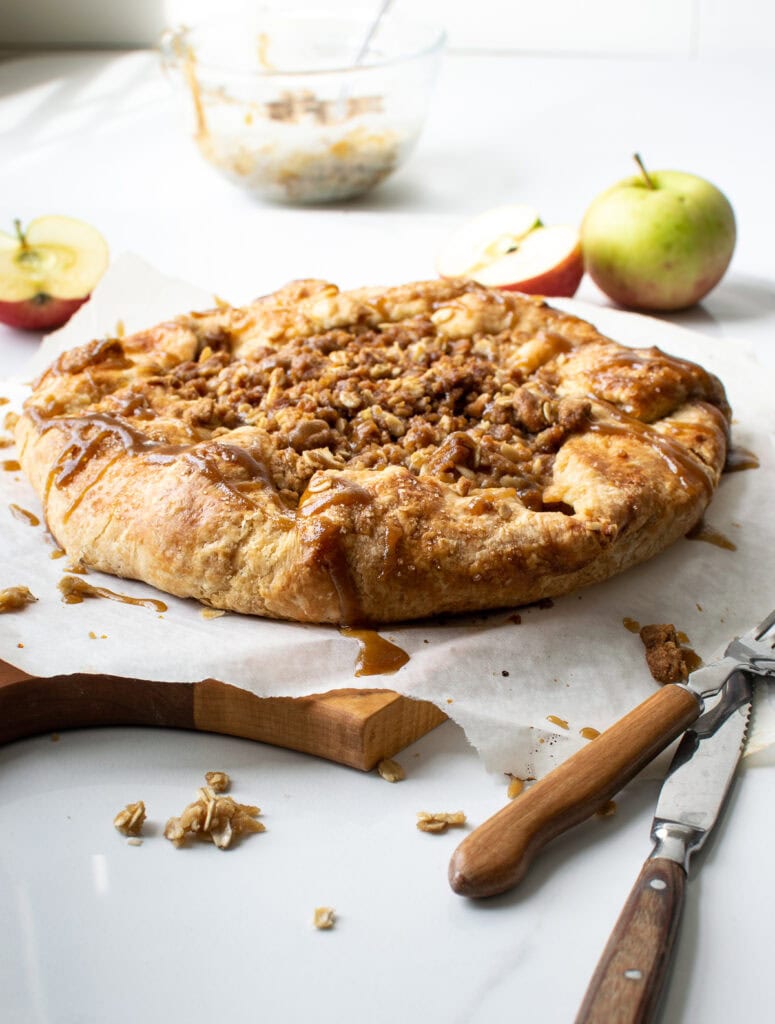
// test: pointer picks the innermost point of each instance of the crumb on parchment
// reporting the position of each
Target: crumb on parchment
(664, 655)
(13, 599)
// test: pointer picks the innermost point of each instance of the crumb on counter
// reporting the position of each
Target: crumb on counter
(324, 918)
(129, 822)
(218, 781)
(213, 818)
(440, 821)
(390, 770)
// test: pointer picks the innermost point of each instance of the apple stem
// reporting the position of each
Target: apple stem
(644, 172)
(20, 234)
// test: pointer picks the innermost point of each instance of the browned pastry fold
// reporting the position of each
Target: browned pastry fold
(373, 455)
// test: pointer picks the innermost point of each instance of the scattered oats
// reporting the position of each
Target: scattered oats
(134, 841)
(120, 329)
(391, 771)
(213, 818)
(439, 822)
(324, 918)
(212, 613)
(6, 442)
(129, 822)
(10, 420)
(14, 598)
(218, 781)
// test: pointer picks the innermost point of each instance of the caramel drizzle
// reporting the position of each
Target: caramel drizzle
(690, 472)
(325, 540)
(377, 656)
(11, 465)
(81, 449)
(688, 370)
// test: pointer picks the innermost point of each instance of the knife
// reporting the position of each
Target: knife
(496, 855)
(630, 976)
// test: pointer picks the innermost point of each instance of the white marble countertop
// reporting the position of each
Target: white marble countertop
(95, 930)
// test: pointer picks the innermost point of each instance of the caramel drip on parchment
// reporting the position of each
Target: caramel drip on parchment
(377, 656)
(739, 458)
(555, 720)
(23, 515)
(703, 531)
(74, 590)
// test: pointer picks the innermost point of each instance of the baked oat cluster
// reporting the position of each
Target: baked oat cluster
(374, 455)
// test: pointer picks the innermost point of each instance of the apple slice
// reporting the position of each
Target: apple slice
(48, 271)
(479, 241)
(539, 260)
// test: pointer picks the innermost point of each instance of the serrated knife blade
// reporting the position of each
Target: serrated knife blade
(630, 976)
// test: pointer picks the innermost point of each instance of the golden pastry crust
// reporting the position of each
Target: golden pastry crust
(375, 455)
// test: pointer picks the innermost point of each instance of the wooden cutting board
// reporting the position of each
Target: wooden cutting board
(353, 727)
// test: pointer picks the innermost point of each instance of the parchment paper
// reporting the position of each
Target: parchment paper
(497, 679)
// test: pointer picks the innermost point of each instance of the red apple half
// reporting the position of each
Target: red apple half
(48, 271)
(509, 248)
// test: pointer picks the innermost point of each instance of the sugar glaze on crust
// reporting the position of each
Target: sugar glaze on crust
(371, 456)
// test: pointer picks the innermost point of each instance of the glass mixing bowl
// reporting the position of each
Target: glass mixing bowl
(304, 108)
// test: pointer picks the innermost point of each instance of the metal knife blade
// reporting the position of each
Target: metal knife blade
(631, 973)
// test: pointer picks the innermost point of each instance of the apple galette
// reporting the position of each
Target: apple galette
(373, 455)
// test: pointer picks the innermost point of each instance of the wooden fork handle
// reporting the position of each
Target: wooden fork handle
(496, 855)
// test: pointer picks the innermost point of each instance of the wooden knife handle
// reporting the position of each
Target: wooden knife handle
(628, 981)
(496, 855)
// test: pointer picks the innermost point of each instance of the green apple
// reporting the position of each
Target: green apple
(659, 240)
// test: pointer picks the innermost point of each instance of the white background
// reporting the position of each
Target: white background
(95, 931)
(676, 27)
